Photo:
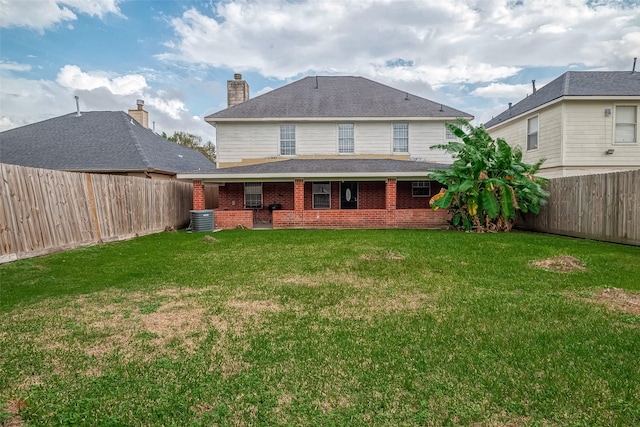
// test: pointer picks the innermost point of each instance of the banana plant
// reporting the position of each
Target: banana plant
(487, 182)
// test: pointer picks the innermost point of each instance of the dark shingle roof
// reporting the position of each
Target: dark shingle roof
(97, 141)
(331, 166)
(336, 97)
(575, 83)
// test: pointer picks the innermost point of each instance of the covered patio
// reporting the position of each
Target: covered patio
(323, 193)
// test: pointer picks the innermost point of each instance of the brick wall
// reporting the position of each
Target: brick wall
(371, 195)
(405, 199)
(361, 218)
(198, 196)
(231, 219)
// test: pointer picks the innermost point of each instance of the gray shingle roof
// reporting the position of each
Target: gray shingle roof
(336, 97)
(575, 83)
(333, 166)
(97, 141)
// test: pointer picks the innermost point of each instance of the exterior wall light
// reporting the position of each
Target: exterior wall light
(609, 151)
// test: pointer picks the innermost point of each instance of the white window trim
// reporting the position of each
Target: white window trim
(313, 194)
(537, 116)
(295, 142)
(393, 139)
(420, 184)
(251, 184)
(615, 123)
(454, 137)
(353, 128)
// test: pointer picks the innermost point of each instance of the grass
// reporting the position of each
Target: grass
(323, 328)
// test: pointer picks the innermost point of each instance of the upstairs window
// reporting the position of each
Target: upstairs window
(345, 139)
(626, 124)
(532, 133)
(449, 136)
(401, 137)
(420, 188)
(321, 195)
(287, 140)
(253, 195)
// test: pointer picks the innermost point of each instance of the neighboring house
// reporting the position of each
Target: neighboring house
(583, 122)
(335, 152)
(112, 142)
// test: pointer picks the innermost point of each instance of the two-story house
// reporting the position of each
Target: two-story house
(583, 122)
(335, 152)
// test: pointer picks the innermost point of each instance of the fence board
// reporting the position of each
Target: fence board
(44, 211)
(602, 207)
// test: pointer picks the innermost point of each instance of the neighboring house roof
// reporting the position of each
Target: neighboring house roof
(333, 97)
(97, 141)
(322, 168)
(575, 83)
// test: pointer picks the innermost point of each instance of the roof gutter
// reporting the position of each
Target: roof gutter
(213, 121)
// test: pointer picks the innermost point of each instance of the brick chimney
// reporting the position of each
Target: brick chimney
(237, 90)
(140, 115)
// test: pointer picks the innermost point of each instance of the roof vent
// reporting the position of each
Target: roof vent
(633, 70)
(533, 82)
(78, 106)
(510, 104)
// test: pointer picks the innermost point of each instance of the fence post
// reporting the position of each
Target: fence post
(11, 212)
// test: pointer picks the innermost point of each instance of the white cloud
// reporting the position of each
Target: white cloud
(501, 90)
(40, 15)
(14, 66)
(72, 77)
(444, 42)
(97, 8)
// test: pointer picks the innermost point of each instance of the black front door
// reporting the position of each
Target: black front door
(349, 195)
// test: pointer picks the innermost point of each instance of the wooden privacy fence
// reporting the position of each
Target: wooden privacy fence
(602, 207)
(45, 211)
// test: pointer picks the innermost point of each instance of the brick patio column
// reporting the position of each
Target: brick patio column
(198, 195)
(391, 193)
(298, 201)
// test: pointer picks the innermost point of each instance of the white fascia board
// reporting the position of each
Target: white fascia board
(333, 119)
(291, 176)
(527, 113)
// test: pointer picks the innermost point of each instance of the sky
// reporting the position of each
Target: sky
(472, 55)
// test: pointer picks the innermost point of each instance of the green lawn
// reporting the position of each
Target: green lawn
(319, 328)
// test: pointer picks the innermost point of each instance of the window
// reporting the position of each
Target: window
(401, 137)
(532, 133)
(449, 136)
(287, 140)
(321, 195)
(626, 122)
(253, 195)
(420, 188)
(345, 138)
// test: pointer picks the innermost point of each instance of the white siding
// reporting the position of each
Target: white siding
(589, 133)
(574, 136)
(423, 136)
(237, 142)
(549, 135)
(247, 141)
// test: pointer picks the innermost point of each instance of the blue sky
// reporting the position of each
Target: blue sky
(473, 55)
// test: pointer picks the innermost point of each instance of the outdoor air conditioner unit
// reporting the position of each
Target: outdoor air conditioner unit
(202, 220)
